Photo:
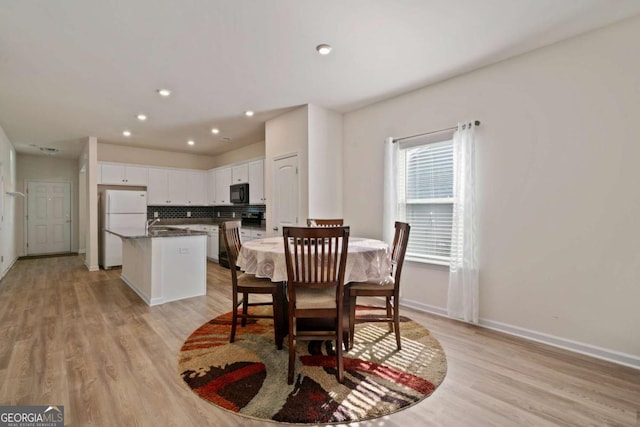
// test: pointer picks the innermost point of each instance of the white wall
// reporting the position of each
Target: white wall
(46, 168)
(559, 188)
(88, 161)
(242, 154)
(146, 156)
(8, 250)
(315, 135)
(288, 134)
(325, 163)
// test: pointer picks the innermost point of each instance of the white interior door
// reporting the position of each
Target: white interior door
(48, 217)
(285, 193)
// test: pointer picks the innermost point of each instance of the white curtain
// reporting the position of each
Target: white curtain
(462, 302)
(389, 213)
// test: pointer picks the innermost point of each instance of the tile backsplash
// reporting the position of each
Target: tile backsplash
(178, 212)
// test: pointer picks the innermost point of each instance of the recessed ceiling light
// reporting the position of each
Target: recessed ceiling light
(248, 113)
(323, 49)
(142, 117)
(215, 131)
(191, 142)
(126, 133)
(164, 92)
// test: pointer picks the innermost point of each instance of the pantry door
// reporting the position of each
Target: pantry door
(284, 193)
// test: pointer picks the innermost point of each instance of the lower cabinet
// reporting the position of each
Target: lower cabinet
(248, 234)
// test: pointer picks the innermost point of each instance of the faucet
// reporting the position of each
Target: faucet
(149, 223)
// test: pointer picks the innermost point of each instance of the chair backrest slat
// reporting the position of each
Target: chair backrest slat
(400, 242)
(232, 243)
(316, 257)
(320, 222)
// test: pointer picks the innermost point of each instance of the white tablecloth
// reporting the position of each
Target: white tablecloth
(368, 259)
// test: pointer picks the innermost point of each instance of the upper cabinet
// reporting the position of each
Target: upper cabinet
(118, 174)
(158, 188)
(223, 182)
(211, 188)
(188, 187)
(240, 174)
(256, 182)
(196, 188)
(176, 187)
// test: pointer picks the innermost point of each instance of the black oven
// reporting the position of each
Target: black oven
(239, 194)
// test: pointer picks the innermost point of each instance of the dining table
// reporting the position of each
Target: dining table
(367, 259)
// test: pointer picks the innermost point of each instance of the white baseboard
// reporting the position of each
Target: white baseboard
(150, 302)
(91, 267)
(575, 346)
(6, 270)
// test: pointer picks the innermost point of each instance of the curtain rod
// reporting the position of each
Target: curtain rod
(476, 122)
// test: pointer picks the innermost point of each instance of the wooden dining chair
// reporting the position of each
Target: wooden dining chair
(389, 288)
(247, 284)
(317, 222)
(316, 259)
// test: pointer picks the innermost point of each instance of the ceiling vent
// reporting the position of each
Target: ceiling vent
(49, 151)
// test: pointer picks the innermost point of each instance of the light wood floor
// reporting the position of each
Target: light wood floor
(86, 341)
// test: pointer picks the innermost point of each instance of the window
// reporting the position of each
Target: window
(425, 197)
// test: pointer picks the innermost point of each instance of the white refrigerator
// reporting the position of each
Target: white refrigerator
(119, 209)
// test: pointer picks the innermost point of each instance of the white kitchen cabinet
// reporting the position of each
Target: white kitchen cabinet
(211, 187)
(167, 187)
(256, 182)
(223, 182)
(178, 187)
(213, 251)
(158, 187)
(245, 235)
(258, 234)
(119, 174)
(248, 234)
(196, 190)
(240, 174)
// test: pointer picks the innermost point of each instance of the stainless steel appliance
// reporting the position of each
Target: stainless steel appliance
(239, 193)
(253, 219)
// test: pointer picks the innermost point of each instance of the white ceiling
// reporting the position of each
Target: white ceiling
(70, 69)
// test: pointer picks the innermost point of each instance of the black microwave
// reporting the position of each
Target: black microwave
(239, 193)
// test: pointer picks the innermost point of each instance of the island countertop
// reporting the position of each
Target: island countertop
(153, 232)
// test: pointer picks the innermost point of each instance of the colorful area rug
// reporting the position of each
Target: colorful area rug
(249, 377)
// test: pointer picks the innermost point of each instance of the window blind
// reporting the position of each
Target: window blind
(428, 200)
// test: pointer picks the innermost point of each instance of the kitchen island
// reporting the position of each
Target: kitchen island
(164, 264)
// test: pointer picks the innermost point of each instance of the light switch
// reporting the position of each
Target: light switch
(183, 251)
(155, 214)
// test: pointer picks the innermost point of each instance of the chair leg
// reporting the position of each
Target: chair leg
(396, 321)
(245, 308)
(340, 361)
(234, 317)
(277, 297)
(292, 351)
(389, 314)
(352, 319)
